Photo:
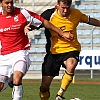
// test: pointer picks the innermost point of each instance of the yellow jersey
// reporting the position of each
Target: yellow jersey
(69, 23)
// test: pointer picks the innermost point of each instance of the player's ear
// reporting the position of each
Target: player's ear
(56, 6)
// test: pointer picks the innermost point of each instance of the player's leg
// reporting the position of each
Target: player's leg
(70, 63)
(44, 88)
(50, 69)
(66, 80)
(19, 72)
(20, 67)
(17, 92)
(46, 78)
(3, 83)
(5, 72)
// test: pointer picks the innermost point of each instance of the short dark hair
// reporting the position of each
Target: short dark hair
(0, 0)
(65, 1)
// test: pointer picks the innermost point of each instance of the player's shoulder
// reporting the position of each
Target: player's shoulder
(75, 11)
(50, 10)
(47, 13)
(19, 9)
(16, 8)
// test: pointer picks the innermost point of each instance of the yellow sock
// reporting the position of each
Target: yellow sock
(66, 80)
(44, 96)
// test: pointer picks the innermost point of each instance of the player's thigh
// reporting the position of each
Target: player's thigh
(5, 65)
(20, 66)
(21, 61)
(47, 65)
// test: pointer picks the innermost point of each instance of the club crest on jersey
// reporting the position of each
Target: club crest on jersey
(15, 18)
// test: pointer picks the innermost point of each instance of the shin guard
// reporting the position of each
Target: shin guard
(17, 92)
(66, 80)
(45, 95)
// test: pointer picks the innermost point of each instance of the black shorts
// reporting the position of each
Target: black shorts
(53, 62)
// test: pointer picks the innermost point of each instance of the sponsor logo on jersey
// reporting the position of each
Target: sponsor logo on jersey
(4, 29)
(11, 27)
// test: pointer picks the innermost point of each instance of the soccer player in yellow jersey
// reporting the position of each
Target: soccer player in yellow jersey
(62, 52)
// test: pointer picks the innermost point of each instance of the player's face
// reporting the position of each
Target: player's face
(7, 6)
(63, 9)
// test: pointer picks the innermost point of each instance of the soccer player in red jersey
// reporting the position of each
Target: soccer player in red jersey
(14, 44)
(59, 51)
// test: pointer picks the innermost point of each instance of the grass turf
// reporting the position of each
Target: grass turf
(31, 91)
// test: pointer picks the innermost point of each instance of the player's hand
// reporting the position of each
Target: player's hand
(27, 28)
(68, 36)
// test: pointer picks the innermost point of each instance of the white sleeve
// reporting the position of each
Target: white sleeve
(35, 22)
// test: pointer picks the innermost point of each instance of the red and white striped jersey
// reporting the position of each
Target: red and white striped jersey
(12, 36)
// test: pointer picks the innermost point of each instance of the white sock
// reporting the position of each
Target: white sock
(17, 92)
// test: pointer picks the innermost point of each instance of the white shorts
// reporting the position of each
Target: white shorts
(17, 61)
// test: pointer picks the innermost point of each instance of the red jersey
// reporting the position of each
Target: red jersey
(12, 36)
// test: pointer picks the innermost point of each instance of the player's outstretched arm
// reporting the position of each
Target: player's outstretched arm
(67, 36)
(94, 22)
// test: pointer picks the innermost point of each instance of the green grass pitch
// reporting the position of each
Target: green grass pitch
(82, 91)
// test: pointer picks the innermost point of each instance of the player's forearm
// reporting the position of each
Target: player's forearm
(94, 22)
(50, 26)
